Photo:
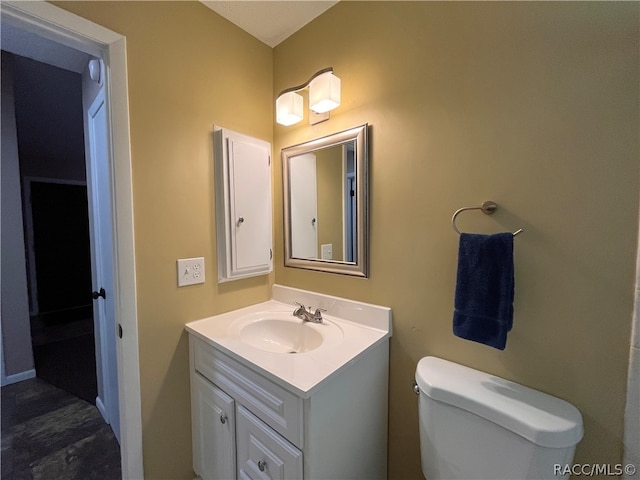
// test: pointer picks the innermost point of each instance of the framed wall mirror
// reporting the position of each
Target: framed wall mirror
(326, 203)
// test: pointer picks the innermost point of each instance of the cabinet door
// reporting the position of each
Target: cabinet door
(249, 165)
(213, 426)
(263, 453)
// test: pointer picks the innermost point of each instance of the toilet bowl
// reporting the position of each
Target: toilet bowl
(478, 426)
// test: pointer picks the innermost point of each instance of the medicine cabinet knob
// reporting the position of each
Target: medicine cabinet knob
(223, 418)
(262, 465)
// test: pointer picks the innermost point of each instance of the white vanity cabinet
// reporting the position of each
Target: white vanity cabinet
(248, 426)
(243, 205)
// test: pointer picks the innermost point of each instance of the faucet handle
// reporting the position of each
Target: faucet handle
(301, 311)
(317, 316)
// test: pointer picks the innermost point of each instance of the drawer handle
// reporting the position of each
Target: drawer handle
(262, 465)
(223, 418)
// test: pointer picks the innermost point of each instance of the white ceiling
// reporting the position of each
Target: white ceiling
(269, 21)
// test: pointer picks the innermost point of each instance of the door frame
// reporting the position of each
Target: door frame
(81, 34)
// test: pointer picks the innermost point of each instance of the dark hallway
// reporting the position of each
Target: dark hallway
(56, 224)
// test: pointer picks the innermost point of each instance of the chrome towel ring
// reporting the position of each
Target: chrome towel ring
(487, 208)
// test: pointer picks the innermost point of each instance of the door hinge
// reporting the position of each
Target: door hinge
(119, 331)
(269, 160)
(270, 254)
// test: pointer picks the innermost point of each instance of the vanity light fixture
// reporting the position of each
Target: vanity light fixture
(324, 96)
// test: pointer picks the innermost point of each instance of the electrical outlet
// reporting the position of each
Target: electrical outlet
(327, 251)
(190, 271)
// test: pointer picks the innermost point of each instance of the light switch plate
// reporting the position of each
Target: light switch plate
(190, 271)
(327, 251)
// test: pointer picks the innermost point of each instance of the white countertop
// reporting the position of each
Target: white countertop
(364, 326)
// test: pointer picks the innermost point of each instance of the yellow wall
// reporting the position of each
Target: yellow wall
(188, 69)
(532, 105)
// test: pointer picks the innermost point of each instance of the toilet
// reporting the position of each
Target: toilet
(478, 426)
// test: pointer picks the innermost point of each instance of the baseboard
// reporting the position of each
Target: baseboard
(19, 377)
(101, 409)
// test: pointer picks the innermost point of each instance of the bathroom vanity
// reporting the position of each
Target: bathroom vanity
(276, 397)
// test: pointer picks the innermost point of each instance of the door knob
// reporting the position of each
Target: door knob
(101, 293)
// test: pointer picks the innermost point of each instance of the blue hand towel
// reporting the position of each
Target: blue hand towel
(484, 289)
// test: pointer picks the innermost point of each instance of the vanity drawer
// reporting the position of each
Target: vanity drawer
(263, 454)
(274, 405)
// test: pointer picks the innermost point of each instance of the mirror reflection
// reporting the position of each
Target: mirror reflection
(325, 203)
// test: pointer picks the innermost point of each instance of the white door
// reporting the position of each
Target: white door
(101, 233)
(304, 206)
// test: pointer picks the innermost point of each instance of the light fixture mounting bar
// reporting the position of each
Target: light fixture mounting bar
(306, 84)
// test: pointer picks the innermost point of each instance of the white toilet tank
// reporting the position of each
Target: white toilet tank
(477, 426)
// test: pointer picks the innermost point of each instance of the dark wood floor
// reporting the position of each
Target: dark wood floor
(50, 434)
(51, 428)
(64, 351)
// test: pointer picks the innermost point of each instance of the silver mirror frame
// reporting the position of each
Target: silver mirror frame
(358, 135)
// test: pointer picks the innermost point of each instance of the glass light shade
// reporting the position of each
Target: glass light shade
(289, 109)
(324, 93)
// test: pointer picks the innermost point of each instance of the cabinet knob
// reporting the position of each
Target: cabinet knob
(223, 418)
(240, 221)
(262, 465)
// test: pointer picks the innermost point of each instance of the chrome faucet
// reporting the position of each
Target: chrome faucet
(306, 315)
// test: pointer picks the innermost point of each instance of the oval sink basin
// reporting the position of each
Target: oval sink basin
(281, 336)
(284, 334)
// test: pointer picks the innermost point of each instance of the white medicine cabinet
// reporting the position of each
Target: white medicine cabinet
(243, 205)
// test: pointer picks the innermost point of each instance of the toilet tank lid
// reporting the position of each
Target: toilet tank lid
(540, 418)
